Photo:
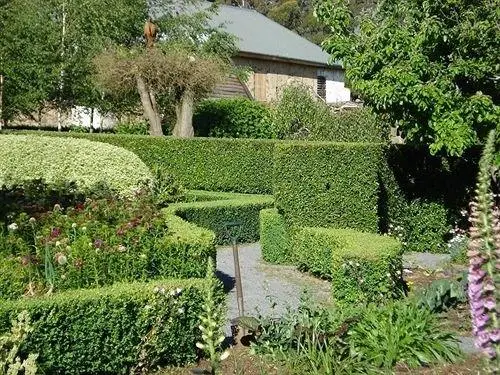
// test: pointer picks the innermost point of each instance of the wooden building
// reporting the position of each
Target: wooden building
(278, 57)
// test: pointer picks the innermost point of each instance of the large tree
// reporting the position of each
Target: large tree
(431, 67)
(187, 61)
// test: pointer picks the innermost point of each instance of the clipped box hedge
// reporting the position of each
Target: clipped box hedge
(215, 215)
(328, 184)
(362, 267)
(30, 157)
(217, 164)
(274, 237)
(110, 330)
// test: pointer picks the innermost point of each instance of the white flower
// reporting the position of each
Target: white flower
(178, 290)
(180, 310)
(57, 207)
(32, 220)
(73, 225)
(13, 226)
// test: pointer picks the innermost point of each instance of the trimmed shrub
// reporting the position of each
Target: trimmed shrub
(28, 157)
(232, 165)
(233, 118)
(274, 237)
(114, 329)
(328, 184)
(132, 127)
(363, 267)
(424, 228)
(215, 215)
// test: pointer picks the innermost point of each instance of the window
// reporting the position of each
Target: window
(321, 90)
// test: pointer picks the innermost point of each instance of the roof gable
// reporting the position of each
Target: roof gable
(260, 35)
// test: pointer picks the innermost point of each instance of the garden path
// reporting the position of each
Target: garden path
(269, 290)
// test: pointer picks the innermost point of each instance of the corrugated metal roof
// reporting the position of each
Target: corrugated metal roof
(260, 35)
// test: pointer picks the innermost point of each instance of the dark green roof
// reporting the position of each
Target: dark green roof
(260, 35)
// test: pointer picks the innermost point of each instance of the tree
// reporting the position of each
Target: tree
(186, 63)
(47, 47)
(431, 67)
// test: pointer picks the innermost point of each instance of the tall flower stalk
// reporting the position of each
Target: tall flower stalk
(484, 262)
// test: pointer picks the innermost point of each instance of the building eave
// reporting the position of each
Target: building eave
(288, 60)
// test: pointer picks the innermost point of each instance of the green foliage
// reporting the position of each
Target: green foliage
(10, 361)
(238, 165)
(429, 67)
(442, 294)
(215, 215)
(212, 320)
(233, 118)
(132, 127)
(115, 329)
(298, 115)
(26, 157)
(401, 332)
(328, 184)
(274, 237)
(164, 188)
(363, 267)
(99, 243)
(424, 227)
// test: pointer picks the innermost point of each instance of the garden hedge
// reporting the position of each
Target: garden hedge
(328, 184)
(28, 157)
(216, 164)
(215, 215)
(274, 237)
(362, 267)
(110, 330)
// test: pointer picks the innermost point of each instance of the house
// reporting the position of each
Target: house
(278, 57)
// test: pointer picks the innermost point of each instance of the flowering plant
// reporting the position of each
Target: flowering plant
(484, 262)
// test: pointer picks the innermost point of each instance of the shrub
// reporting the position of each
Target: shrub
(328, 184)
(274, 237)
(233, 118)
(27, 157)
(99, 243)
(233, 165)
(363, 267)
(425, 227)
(132, 127)
(401, 332)
(215, 215)
(112, 330)
(298, 115)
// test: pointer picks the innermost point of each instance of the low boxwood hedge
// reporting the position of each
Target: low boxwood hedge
(274, 237)
(213, 164)
(216, 214)
(362, 267)
(328, 184)
(29, 157)
(114, 329)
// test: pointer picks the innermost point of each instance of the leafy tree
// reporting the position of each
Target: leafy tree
(186, 63)
(431, 67)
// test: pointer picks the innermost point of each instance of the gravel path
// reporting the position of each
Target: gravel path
(270, 289)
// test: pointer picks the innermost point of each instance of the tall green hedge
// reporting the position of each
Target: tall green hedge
(110, 330)
(215, 215)
(363, 267)
(274, 237)
(29, 157)
(216, 164)
(328, 184)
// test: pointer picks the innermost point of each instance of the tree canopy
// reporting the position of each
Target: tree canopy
(431, 67)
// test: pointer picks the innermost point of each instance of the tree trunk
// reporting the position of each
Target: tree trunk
(184, 113)
(150, 109)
